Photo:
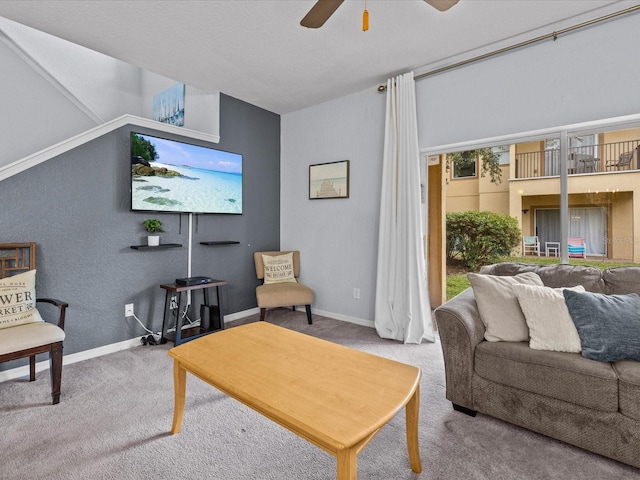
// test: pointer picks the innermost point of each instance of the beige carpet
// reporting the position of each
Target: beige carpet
(116, 411)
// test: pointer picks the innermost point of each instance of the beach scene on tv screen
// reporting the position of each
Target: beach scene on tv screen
(172, 176)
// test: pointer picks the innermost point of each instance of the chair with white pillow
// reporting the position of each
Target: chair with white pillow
(279, 271)
(23, 332)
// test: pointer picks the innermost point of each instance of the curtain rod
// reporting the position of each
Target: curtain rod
(553, 35)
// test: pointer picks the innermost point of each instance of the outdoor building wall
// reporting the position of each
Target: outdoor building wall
(620, 232)
(462, 194)
(620, 135)
(621, 242)
(494, 197)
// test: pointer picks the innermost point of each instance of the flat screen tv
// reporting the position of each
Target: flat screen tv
(177, 177)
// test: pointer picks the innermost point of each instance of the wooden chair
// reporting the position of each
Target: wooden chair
(30, 339)
(577, 247)
(286, 294)
(530, 244)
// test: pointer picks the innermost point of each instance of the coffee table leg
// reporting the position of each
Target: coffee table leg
(412, 413)
(179, 387)
(347, 464)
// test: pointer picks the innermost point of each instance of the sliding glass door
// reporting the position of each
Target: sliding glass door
(589, 223)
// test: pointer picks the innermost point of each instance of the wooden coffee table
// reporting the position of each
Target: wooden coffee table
(333, 396)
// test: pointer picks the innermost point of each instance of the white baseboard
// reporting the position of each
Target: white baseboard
(71, 358)
(133, 342)
(345, 318)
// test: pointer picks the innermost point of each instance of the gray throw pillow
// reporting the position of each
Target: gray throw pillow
(608, 325)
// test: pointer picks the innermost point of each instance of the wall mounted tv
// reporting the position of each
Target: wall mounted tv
(176, 177)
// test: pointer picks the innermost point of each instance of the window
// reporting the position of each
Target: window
(461, 170)
(503, 153)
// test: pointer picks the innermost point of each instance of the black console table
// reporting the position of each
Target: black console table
(211, 316)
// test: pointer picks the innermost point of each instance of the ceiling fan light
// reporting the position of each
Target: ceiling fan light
(365, 20)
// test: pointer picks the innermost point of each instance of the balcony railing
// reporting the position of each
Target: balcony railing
(606, 157)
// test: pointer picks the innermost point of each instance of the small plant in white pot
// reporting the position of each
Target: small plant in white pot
(153, 226)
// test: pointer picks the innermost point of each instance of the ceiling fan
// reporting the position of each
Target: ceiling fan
(323, 9)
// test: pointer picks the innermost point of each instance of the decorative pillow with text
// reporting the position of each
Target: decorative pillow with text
(278, 268)
(18, 300)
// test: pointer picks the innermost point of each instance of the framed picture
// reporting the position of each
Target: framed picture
(168, 106)
(329, 180)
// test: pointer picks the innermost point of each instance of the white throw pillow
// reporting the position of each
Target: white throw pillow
(498, 306)
(278, 268)
(18, 300)
(550, 324)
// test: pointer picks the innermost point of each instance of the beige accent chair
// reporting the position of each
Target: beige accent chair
(30, 339)
(276, 295)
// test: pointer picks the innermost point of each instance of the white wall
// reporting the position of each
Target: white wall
(583, 76)
(35, 115)
(106, 86)
(338, 238)
(57, 89)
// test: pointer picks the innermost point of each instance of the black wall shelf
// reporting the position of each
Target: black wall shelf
(162, 246)
(224, 242)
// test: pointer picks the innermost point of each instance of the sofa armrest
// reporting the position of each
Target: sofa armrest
(62, 307)
(461, 330)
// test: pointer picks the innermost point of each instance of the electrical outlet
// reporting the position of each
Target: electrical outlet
(128, 310)
(174, 303)
(356, 293)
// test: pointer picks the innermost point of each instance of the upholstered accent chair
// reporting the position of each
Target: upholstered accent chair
(21, 340)
(283, 291)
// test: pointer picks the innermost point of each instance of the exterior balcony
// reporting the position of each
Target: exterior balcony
(604, 158)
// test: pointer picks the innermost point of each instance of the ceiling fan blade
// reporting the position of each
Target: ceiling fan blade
(442, 5)
(320, 13)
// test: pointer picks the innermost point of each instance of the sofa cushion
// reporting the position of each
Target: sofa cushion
(629, 379)
(559, 275)
(28, 336)
(498, 305)
(564, 376)
(608, 325)
(622, 280)
(548, 319)
(279, 294)
(18, 300)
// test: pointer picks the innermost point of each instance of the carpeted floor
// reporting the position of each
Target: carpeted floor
(116, 411)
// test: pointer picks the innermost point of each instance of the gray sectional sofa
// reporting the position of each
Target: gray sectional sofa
(591, 404)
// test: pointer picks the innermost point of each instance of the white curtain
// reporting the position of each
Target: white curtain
(402, 310)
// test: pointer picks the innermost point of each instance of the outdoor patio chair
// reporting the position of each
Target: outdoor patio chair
(530, 244)
(624, 161)
(577, 247)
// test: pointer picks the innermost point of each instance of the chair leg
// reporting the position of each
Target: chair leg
(32, 368)
(308, 309)
(262, 312)
(55, 365)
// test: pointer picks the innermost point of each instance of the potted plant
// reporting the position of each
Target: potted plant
(153, 226)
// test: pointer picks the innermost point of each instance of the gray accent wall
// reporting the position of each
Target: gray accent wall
(76, 207)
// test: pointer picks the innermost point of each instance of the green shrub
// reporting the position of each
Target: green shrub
(478, 238)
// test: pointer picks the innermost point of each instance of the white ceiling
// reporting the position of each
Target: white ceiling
(256, 50)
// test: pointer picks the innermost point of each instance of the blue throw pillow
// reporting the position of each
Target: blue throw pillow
(608, 325)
